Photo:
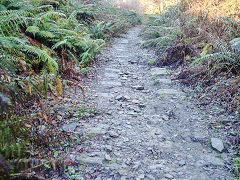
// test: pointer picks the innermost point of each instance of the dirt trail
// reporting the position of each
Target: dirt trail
(145, 128)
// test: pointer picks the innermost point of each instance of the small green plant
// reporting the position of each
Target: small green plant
(236, 163)
(152, 62)
(228, 57)
(13, 138)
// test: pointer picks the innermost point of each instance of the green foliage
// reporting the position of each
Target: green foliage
(228, 57)
(235, 45)
(17, 43)
(86, 70)
(102, 29)
(33, 29)
(236, 162)
(11, 144)
(162, 31)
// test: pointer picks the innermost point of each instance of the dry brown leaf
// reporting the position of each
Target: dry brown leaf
(53, 164)
(23, 64)
(29, 88)
(28, 125)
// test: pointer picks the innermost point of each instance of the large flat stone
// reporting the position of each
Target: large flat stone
(111, 70)
(69, 127)
(209, 160)
(159, 72)
(122, 49)
(122, 57)
(168, 92)
(105, 95)
(111, 75)
(84, 158)
(164, 81)
(111, 84)
(124, 42)
(99, 130)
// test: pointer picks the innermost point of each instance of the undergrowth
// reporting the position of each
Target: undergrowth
(44, 46)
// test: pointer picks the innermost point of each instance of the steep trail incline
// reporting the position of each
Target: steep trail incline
(146, 127)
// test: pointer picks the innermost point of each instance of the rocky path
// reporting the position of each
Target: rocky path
(145, 128)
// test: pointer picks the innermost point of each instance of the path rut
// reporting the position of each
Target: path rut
(146, 126)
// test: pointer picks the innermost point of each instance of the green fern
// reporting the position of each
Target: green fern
(60, 44)
(21, 45)
(43, 56)
(45, 34)
(227, 57)
(235, 44)
(11, 20)
(2, 7)
(33, 29)
(52, 15)
(10, 131)
(160, 42)
(7, 63)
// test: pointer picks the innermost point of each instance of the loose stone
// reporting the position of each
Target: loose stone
(113, 134)
(217, 144)
(69, 127)
(107, 157)
(168, 176)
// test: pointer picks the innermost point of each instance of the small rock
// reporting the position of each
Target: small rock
(128, 161)
(87, 115)
(108, 148)
(109, 113)
(141, 105)
(133, 62)
(113, 134)
(69, 127)
(124, 78)
(168, 176)
(135, 101)
(139, 88)
(122, 98)
(137, 110)
(170, 113)
(217, 144)
(182, 163)
(59, 117)
(126, 97)
(165, 117)
(119, 97)
(107, 157)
